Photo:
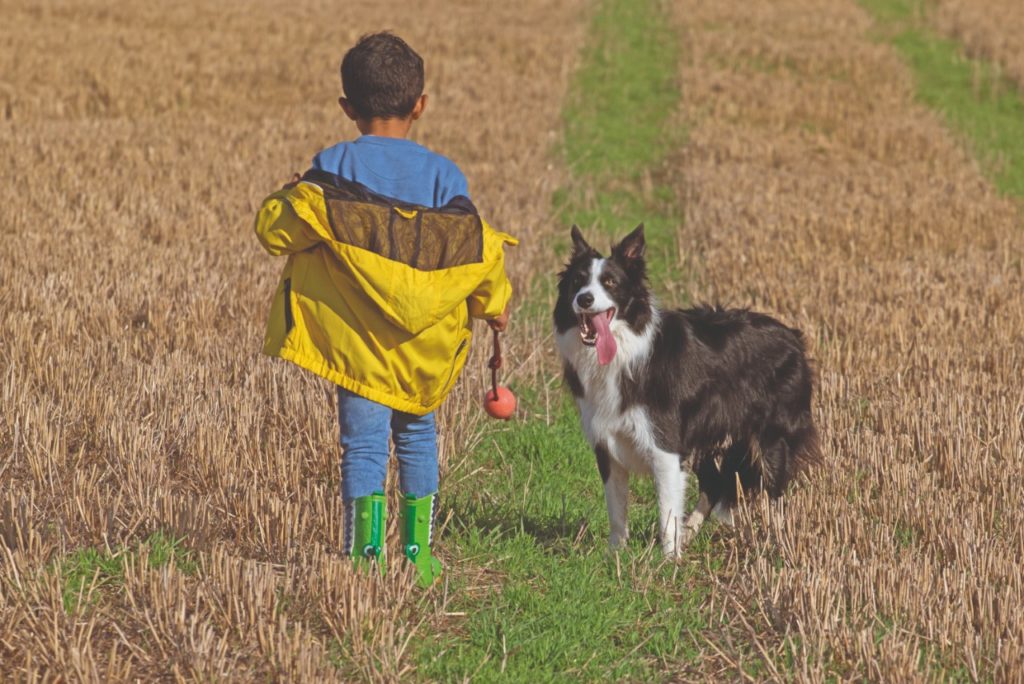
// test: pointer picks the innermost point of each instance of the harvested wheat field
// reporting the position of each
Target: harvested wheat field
(139, 140)
(169, 498)
(817, 188)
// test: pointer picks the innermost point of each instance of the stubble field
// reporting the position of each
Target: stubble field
(818, 188)
(138, 141)
(169, 499)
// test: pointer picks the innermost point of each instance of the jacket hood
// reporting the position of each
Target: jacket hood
(417, 264)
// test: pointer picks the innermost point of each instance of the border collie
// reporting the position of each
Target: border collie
(724, 393)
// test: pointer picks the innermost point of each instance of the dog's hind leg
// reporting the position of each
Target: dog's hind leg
(722, 512)
(670, 486)
(616, 496)
(697, 517)
(716, 472)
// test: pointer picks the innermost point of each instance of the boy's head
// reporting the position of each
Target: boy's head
(383, 79)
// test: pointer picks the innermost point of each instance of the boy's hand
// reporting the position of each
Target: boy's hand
(501, 322)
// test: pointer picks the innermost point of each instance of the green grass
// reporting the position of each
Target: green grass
(618, 133)
(567, 609)
(84, 567)
(623, 91)
(971, 95)
(542, 597)
(537, 596)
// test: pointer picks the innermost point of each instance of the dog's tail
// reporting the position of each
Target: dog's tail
(808, 454)
(787, 458)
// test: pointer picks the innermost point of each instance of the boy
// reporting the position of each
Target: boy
(388, 261)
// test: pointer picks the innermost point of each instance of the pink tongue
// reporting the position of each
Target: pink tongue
(605, 340)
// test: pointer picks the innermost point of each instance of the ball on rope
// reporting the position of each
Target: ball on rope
(499, 402)
(501, 405)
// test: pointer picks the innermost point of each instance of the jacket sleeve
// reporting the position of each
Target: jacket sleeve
(494, 292)
(279, 227)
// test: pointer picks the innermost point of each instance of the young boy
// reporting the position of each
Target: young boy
(388, 261)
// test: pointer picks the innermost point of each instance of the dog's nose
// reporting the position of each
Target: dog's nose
(584, 300)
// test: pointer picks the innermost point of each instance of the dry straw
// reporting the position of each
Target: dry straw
(989, 30)
(138, 141)
(815, 188)
(132, 299)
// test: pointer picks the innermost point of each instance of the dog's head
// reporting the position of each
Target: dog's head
(599, 295)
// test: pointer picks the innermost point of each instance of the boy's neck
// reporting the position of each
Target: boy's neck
(385, 128)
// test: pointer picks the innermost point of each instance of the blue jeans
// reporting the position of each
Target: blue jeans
(365, 426)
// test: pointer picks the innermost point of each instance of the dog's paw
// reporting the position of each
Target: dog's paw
(723, 514)
(688, 535)
(675, 555)
(617, 543)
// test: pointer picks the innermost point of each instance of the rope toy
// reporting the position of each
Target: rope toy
(499, 402)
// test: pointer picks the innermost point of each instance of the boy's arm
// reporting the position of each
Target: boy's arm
(501, 322)
(490, 300)
(280, 229)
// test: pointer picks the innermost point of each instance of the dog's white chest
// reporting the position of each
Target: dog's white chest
(627, 433)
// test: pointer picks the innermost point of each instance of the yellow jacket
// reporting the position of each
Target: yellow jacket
(377, 296)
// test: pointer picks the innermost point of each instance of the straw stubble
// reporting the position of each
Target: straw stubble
(139, 140)
(816, 188)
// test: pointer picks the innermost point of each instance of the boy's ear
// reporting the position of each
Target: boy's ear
(421, 104)
(347, 107)
(632, 246)
(579, 245)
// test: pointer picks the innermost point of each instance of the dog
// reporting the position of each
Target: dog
(722, 393)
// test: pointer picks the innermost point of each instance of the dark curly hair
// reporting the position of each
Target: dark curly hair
(382, 76)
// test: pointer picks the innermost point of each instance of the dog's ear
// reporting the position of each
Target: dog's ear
(632, 246)
(579, 245)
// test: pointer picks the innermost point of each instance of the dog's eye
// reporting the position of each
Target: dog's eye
(609, 281)
(578, 281)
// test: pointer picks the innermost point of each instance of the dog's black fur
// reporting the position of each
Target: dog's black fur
(729, 390)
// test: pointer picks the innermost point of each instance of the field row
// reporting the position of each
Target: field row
(816, 187)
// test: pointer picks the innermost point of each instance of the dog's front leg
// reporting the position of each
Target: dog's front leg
(616, 496)
(670, 486)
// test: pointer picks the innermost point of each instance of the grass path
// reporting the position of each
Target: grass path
(542, 599)
(973, 96)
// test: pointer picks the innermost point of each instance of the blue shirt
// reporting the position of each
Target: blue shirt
(396, 168)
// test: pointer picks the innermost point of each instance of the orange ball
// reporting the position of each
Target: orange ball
(501, 406)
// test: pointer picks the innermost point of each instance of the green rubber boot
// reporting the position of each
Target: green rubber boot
(364, 532)
(416, 521)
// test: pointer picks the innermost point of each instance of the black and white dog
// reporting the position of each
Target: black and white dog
(724, 393)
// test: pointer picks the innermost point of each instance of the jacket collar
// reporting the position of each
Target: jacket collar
(336, 187)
